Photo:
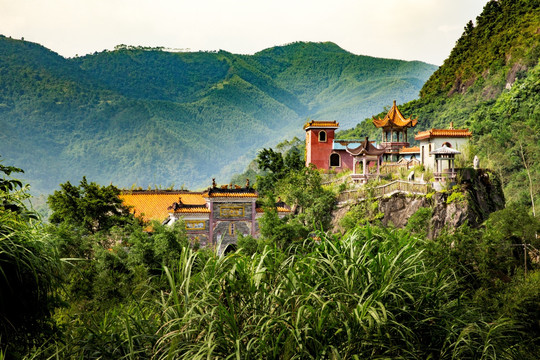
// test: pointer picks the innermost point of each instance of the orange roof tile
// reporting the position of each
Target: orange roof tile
(321, 124)
(152, 205)
(442, 133)
(193, 210)
(394, 118)
(410, 150)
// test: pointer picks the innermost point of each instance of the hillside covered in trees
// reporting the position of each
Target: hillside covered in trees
(93, 283)
(490, 83)
(146, 116)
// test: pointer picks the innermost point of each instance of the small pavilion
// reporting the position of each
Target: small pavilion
(394, 134)
(365, 153)
(445, 171)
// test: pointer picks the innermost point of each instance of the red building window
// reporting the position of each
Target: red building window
(322, 136)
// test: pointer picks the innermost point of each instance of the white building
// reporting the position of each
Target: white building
(433, 139)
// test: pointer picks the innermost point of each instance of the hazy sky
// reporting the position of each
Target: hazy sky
(401, 29)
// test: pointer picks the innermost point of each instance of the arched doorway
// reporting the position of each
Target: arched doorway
(335, 160)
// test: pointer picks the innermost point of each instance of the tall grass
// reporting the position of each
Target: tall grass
(371, 294)
(29, 274)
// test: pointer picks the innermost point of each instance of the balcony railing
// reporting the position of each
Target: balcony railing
(446, 175)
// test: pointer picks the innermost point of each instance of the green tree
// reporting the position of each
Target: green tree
(270, 160)
(312, 203)
(527, 147)
(89, 206)
(280, 232)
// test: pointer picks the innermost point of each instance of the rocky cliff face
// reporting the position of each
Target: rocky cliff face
(478, 195)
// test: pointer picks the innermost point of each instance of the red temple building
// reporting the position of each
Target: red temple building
(365, 158)
(320, 145)
(326, 152)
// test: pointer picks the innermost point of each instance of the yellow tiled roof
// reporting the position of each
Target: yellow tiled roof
(442, 133)
(395, 118)
(321, 124)
(152, 205)
(413, 150)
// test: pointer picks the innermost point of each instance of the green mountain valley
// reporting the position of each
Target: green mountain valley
(151, 117)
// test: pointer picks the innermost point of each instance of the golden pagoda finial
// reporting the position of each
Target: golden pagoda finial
(451, 125)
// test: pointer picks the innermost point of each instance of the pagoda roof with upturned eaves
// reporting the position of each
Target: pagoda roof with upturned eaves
(395, 119)
(365, 148)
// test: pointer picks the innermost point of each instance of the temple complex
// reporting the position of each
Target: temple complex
(215, 216)
(366, 158)
(220, 214)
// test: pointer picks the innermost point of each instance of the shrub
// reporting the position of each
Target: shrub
(456, 196)
(418, 223)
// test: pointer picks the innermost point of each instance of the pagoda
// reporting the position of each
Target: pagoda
(363, 154)
(394, 132)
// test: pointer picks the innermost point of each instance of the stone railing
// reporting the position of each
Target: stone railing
(407, 187)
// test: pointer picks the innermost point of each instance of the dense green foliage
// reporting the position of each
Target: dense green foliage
(282, 175)
(490, 84)
(131, 294)
(89, 206)
(29, 271)
(404, 297)
(151, 117)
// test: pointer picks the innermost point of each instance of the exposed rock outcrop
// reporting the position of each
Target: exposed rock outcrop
(397, 209)
(479, 194)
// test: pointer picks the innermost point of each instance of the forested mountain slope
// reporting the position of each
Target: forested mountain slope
(490, 83)
(148, 116)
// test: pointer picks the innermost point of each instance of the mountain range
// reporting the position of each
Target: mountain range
(144, 117)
